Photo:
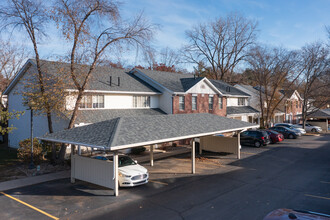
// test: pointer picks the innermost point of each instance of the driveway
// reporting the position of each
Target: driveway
(292, 174)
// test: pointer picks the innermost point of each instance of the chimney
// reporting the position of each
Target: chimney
(110, 80)
(194, 76)
(118, 81)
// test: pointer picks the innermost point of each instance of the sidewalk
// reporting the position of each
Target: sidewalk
(12, 184)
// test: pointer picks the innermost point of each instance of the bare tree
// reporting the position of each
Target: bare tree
(272, 68)
(169, 57)
(315, 86)
(11, 60)
(221, 44)
(78, 21)
(31, 17)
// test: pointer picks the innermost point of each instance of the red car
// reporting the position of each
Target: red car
(275, 136)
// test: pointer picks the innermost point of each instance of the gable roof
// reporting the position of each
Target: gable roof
(321, 113)
(287, 92)
(125, 132)
(231, 110)
(177, 82)
(99, 80)
(225, 88)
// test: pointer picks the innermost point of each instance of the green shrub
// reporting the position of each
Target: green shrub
(24, 151)
(138, 150)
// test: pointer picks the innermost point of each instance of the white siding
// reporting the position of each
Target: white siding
(118, 101)
(92, 170)
(165, 102)
(232, 101)
(202, 88)
(23, 124)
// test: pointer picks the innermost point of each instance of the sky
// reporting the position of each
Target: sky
(287, 23)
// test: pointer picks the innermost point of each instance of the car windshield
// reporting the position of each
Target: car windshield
(125, 161)
(274, 132)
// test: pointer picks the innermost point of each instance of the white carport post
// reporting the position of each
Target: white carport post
(73, 180)
(79, 150)
(238, 145)
(151, 155)
(115, 172)
(193, 165)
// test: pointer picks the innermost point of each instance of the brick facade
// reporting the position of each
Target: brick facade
(202, 105)
(294, 107)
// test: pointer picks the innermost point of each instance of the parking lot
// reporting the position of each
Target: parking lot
(292, 174)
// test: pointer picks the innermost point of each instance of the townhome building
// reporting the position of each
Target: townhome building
(254, 101)
(292, 106)
(289, 110)
(113, 93)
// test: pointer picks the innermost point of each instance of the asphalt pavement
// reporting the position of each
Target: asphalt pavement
(294, 174)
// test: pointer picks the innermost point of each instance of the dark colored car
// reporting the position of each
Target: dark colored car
(287, 132)
(274, 136)
(255, 138)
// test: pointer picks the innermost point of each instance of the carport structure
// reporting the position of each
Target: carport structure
(128, 132)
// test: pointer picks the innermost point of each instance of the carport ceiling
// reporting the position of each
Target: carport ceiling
(126, 132)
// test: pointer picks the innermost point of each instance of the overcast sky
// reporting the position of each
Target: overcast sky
(287, 23)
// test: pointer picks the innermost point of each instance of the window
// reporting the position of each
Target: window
(141, 101)
(98, 101)
(181, 103)
(210, 102)
(194, 103)
(241, 101)
(220, 102)
(89, 101)
(297, 104)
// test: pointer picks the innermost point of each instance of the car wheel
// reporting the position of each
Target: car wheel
(313, 130)
(291, 136)
(257, 144)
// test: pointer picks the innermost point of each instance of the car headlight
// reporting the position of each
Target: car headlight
(123, 175)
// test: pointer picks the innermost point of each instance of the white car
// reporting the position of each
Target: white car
(291, 126)
(130, 173)
(309, 127)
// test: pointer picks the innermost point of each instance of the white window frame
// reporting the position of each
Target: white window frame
(181, 103)
(211, 101)
(220, 102)
(194, 104)
(241, 101)
(92, 102)
(141, 101)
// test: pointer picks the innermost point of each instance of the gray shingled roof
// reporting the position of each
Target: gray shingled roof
(173, 81)
(126, 132)
(98, 115)
(321, 113)
(240, 110)
(225, 88)
(100, 79)
(182, 82)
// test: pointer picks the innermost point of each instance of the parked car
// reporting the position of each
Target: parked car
(130, 172)
(291, 126)
(282, 214)
(256, 138)
(309, 127)
(287, 132)
(274, 136)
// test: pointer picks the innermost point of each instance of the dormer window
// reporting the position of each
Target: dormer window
(241, 101)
